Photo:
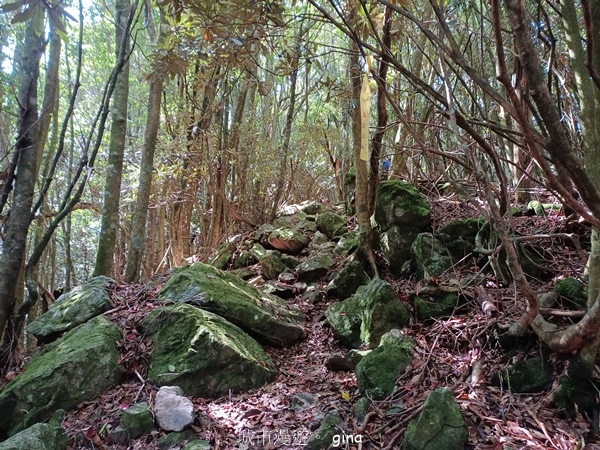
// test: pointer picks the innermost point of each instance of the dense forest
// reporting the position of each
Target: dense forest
(137, 138)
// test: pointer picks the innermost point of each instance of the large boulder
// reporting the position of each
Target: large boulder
(314, 267)
(331, 224)
(345, 318)
(348, 279)
(72, 309)
(77, 367)
(382, 311)
(429, 307)
(288, 240)
(265, 316)
(459, 235)
(41, 436)
(378, 370)
(439, 426)
(400, 203)
(430, 256)
(525, 376)
(202, 353)
(273, 262)
(396, 243)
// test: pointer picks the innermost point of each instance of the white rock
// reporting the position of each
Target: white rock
(173, 412)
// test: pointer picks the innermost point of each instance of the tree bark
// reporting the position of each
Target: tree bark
(114, 169)
(17, 225)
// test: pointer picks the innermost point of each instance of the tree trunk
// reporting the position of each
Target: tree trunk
(116, 149)
(140, 214)
(17, 225)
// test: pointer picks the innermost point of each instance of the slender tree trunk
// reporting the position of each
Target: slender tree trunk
(116, 149)
(17, 225)
(138, 222)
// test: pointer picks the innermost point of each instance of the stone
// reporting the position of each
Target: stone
(77, 367)
(303, 401)
(72, 309)
(377, 371)
(459, 236)
(40, 436)
(174, 412)
(314, 268)
(382, 311)
(348, 279)
(347, 243)
(361, 408)
(202, 353)
(137, 420)
(267, 317)
(288, 240)
(395, 245)
(198, 444)
(400, 203)
(244, 259)
(430, 256)
(330, 427)
(439, 426)
(169, 441)
(337, 363)
(432, 307)
(526, 376)
(331, 224)
(222, 255)
(345, 318)
(326, 248)
(355, 355)
(573, 290)
(319, 238)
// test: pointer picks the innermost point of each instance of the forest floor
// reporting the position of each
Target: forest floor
(459, 353)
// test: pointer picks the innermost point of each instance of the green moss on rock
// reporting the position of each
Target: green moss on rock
(427, 308)
(77, 367)
(345, 318)
(202, 353)
(265, 316)
(430, 256)
(526, 376)
(573, 290)
(400, 203)
(348, 279)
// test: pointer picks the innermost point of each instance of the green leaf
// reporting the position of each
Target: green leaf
(56, 21)
(23, 16)
(38, 19)
(14, 6)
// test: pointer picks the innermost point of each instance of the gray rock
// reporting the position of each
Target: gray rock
(198, 444)
(202, 353)
(331, 426)
(174, 412)
(72, 309)
(396, 243)
(168, 441)
(41, 436)
(400, 203)
(348, 279)
(304, 400)
(345, 318)
(77, 367)
(439, 426)
(314, 268)
(430, 256)
(266, 316)
(348, 243)
(222, 255)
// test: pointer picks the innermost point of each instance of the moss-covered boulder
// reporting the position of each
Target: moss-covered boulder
(573, 290)
(323, 438)
(198, 444)
(72, 309)
(347, 243)
(288, 240)
(345, 318)
(314, 267)
(382, 311)
(273, 262)
(331, 224)
(434, 306)
(378, 370)
(439, 426)
(348, 279)
(77, 367)
(400, 203)
(396, 243)
(459, 236)
(137, 420)
(430, 256)
(41, 436)
(265, 316)
(221, 257)
(244, 259)
(525, 376)
(202, 353)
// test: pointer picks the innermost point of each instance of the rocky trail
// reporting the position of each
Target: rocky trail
(460, 349)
